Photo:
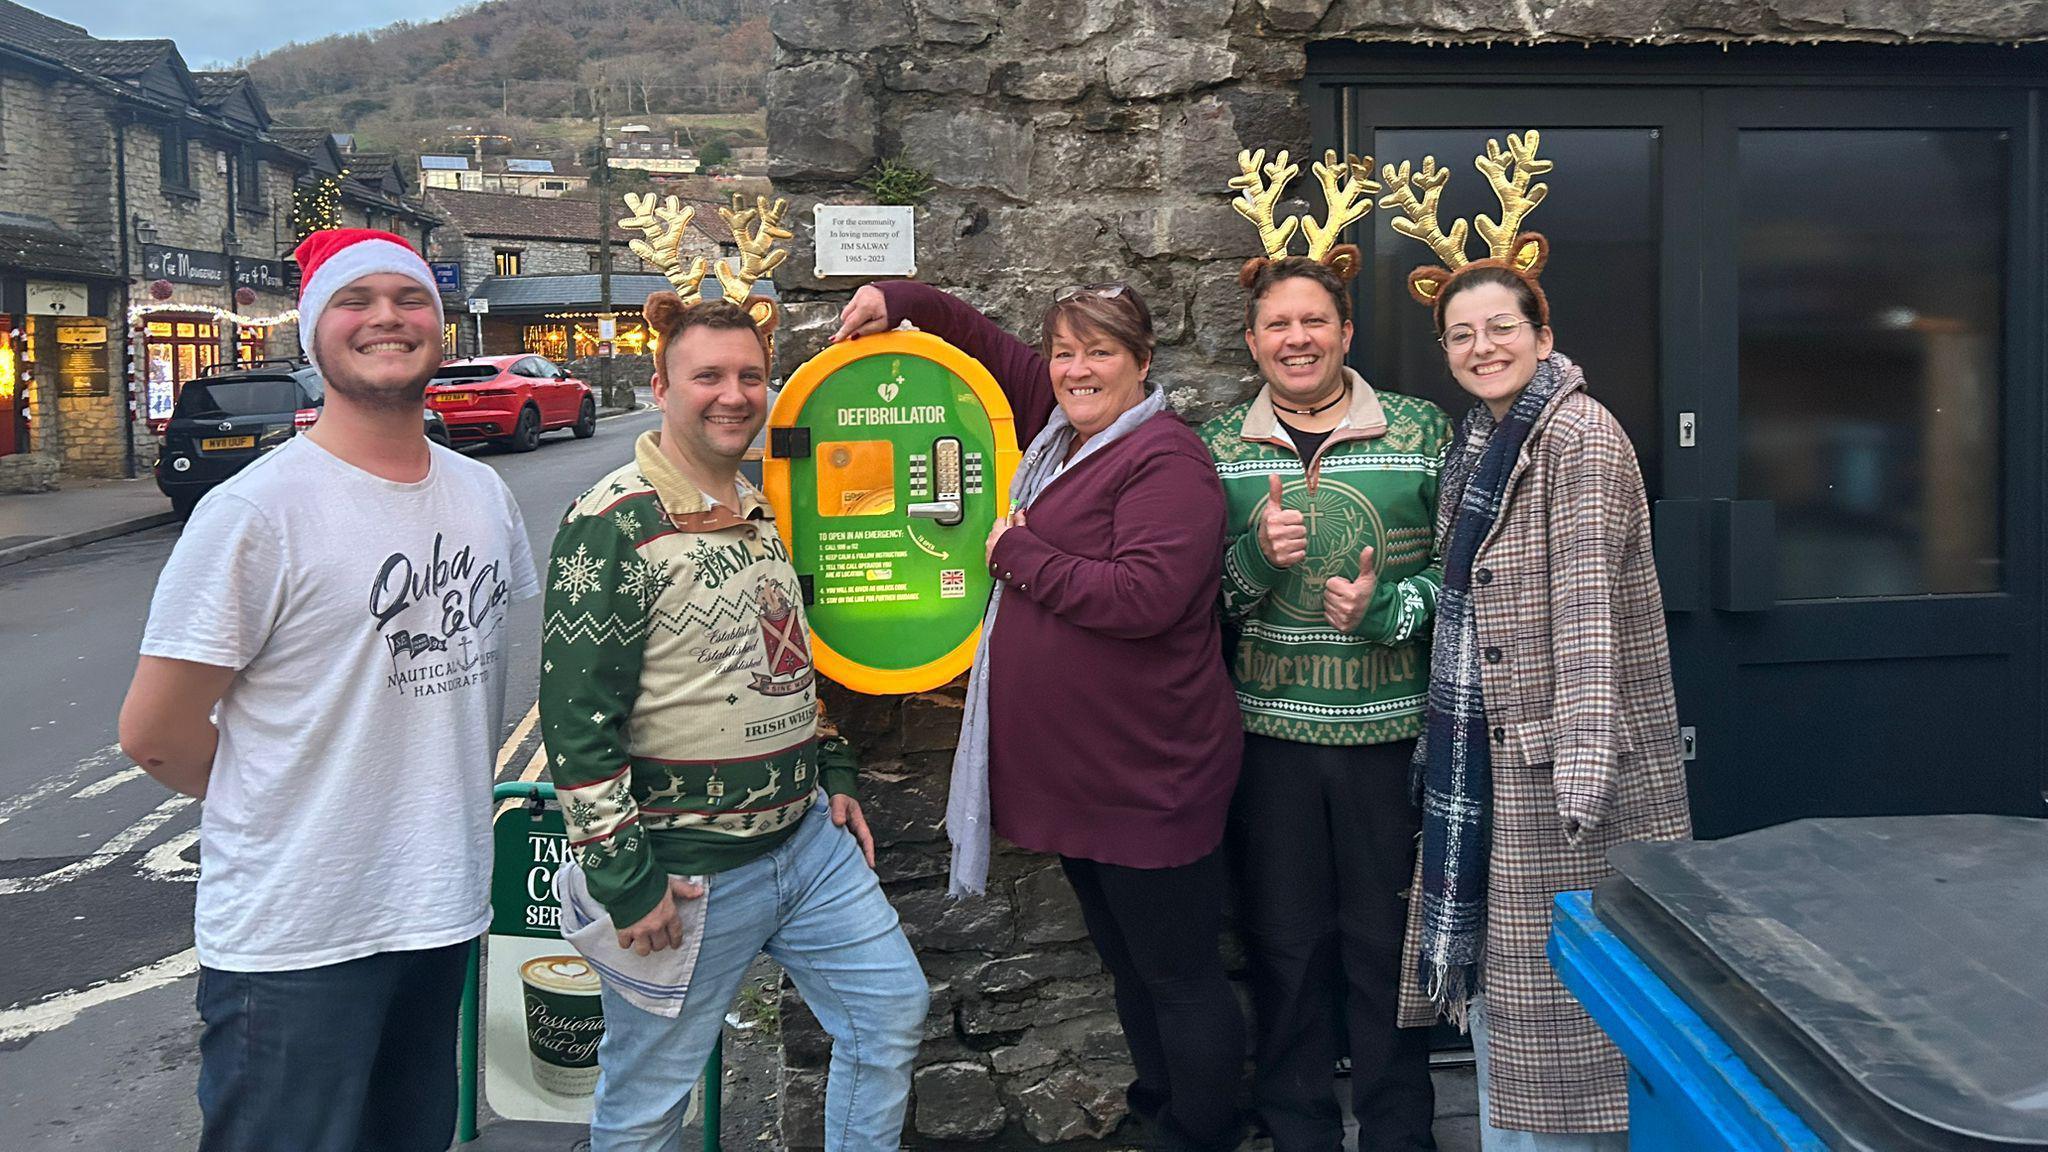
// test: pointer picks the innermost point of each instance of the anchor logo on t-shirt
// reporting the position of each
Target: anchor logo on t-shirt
(786, 649)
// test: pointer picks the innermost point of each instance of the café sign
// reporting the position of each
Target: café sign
(262, 275)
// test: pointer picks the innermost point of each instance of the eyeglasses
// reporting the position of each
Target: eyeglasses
(1109, 291)
(1501, 329)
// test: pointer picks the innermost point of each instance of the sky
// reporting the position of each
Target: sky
(214, 33)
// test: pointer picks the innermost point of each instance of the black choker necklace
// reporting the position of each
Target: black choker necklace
(1333, 402)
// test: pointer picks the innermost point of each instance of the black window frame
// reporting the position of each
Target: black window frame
(504, 258)
(249, 196)
(174, 159)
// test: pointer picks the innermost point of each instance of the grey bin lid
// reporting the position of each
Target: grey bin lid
(1887, 976)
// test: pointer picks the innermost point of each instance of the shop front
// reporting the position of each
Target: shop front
(179, 331)
(566, 336)
(59, 359)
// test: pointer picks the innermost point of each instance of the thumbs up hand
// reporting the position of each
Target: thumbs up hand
(1344, 601)
(1283, 537)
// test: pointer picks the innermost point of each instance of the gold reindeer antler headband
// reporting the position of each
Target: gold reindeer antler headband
(1519, 252)
(664, 222)
(1262, 185)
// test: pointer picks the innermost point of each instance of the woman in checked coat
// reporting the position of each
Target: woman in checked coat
(1552, 734)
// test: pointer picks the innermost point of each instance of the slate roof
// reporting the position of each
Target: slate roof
(501, 214)
(28, 28)
(215, 87)
(35, 244)
(115, 59)
(311, 141)
(580, 290)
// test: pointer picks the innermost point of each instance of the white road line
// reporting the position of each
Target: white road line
(61, 782)
(103, 787)
(19, 1023)
(125, 840)
(167, 860)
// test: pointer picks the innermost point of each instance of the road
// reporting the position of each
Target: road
(98, 1037)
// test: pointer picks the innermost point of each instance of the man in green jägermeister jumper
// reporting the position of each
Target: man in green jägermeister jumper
(1330, 580)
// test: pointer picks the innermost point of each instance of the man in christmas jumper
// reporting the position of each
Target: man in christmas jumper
(343, 602)
(680, 713)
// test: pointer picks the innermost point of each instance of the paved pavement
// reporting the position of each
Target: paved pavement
(81, 512)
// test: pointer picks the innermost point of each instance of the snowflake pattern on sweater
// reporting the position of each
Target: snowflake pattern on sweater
(677, 697)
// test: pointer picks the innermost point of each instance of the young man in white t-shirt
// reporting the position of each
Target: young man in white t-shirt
(343, 602)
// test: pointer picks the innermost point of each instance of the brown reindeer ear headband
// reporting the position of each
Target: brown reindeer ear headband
(1522, 253)
(1261, 185)
(755, 230)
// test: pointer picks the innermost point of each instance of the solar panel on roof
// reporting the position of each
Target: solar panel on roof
(445, 163)
(530, 166)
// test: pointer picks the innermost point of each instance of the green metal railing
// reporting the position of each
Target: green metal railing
(710, 1086)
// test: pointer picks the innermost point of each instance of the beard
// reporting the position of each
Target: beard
(386, 395)
(379, 396)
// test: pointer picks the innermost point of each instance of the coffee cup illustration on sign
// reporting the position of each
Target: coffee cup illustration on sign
(564, 1021)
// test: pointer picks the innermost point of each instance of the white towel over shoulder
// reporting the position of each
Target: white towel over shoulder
(656, 982)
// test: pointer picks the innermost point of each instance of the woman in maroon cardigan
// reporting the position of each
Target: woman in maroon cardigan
(1112, 730)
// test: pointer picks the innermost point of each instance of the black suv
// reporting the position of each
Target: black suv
(224, 420)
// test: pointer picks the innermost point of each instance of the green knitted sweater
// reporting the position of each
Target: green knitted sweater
(676, 690)
(1373, 483)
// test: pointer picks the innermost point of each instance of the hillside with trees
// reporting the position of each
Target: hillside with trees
(526, 76)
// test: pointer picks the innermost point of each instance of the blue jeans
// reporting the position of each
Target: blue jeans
(1493, 1139)
(815, 906)
(350, 1057)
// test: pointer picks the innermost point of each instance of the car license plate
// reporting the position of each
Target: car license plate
(453, 398)
(224, 443)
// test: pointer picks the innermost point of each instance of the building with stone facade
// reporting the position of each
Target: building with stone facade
(150, 212)
(516, 175)
(1796, 247)
(532, 264)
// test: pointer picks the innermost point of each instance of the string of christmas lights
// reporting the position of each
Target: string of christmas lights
(318, 205)
(138, 314)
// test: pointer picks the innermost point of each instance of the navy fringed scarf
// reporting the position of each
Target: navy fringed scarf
(1453, 765)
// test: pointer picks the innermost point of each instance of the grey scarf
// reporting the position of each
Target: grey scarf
(967, 815)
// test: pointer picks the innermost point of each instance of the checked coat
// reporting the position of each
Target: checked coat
(1576, 677)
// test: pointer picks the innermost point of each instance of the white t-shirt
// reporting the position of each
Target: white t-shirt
(350, 803)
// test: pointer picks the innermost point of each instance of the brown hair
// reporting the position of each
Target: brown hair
(669, 316)
(1258, 277)
(1529, 299)
(1122, 318)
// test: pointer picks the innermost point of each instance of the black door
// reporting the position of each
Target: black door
(1814, 304)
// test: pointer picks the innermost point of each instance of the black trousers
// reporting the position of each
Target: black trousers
(1324, 844)
(1156, 930)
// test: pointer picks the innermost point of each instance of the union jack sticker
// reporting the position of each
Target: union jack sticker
(953, 584)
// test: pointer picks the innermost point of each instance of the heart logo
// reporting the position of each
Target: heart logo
(888, 391)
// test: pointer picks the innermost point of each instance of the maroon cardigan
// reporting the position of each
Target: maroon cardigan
(1114, 732)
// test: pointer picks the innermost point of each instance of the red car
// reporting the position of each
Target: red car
(510, 400)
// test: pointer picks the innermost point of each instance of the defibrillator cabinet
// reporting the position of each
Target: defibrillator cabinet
(889, 460)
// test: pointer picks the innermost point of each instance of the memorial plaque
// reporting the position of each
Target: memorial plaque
(864, 240)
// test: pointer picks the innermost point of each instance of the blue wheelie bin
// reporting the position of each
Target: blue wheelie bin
(1876, 984)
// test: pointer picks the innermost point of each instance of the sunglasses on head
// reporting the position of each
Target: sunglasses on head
(1109, 291)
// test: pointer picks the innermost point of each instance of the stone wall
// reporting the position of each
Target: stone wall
(1022, 1045)
(1077, 141)
(542, 257)
(45, 166)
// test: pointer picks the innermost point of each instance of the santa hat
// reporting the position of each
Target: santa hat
(333, 258)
